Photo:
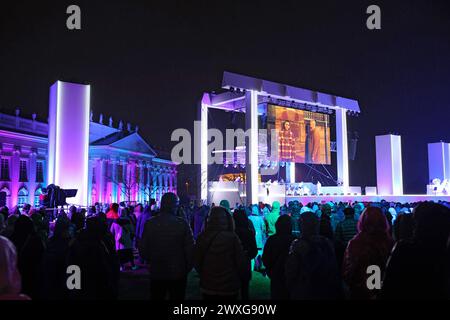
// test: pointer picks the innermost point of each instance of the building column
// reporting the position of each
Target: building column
(14, 176)
(90, 175)
(342, 148)
(100, 180)
(31, 177)
(251, 144)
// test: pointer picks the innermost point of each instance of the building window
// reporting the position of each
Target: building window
(22, 197)
(39, 172)
(4, 175)
(23, 171)
(37, 193)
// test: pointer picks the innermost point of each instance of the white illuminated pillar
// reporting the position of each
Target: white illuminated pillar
(439, 160)
(68, 137)
(204, 152)
(389, 165)
(290, 172)
(251, 154)
(342, 148)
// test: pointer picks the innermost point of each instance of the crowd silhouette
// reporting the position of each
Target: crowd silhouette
(313, 251)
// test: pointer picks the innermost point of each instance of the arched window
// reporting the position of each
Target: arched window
(37, 193)
(22, 196)
(8, 194)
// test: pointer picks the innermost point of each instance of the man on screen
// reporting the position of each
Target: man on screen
(314, 142)
(286, 143)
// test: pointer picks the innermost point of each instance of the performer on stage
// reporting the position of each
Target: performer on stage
(314, 142)
(286, 143)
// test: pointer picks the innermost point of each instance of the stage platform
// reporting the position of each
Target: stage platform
(364, 198)
(234, 192)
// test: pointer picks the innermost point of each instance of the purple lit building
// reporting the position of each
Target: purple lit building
(122, 165)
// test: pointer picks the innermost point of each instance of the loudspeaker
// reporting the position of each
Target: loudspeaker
(2, 198)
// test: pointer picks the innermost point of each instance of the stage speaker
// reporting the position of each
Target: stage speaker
(2, 198)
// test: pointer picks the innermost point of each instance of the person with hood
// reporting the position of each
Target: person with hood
(10, 281)
(167, 245)
(219, 258)
(92, 251)
(311, 267)
(371, 246)
(258, 224)
(225, 204)
(140, 223)
(326, 228)
(272, 217)
(275, 255)
(200, 216)
(246, 234)
(123, 232)
(30, 249)
(419, 268)
(113, 212)
(54, 267)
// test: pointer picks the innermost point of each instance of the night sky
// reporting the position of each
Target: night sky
(148, 63)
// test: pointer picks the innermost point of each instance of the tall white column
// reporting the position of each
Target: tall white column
(31, 177)
(439, 161)
(342, 148)
(389, 165)
(290, 172)
(204, 152)
(251, 154)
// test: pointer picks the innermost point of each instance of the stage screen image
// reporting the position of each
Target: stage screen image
(303, 136)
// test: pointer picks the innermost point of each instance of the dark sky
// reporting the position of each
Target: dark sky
(148, 62)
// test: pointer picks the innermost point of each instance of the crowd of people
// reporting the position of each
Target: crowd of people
(313, 251)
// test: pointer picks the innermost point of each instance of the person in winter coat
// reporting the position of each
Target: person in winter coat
(167, 246)
(371, 246)
(30, 249)
(419, 268)
(113, 212)
(123, 232)
(274, 257)
(140, 224)
(311, 267)
(10, 281)
(260, 227)
(97, 258)
(54, 266)
(246, 233)
(219, 258)
(272, 217)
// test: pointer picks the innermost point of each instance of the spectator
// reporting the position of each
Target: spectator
(274, 257)
(259, 226)
(167, 246)
(123, 232)
(246, 233)
(371, 246)
(140, 224)
(420, 268)
(54, 266)
(113, 212)
(30, 251)
(98, 260)
(219, 258)
(311, 268)
(10, 282)
(272, 217)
